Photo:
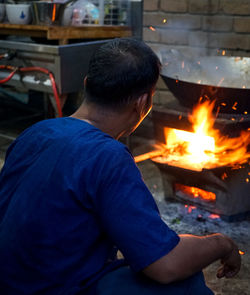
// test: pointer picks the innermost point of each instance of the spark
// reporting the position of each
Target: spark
(247, 180)
(217, 112)
(245, 113)
(164, 21)
(152, 28)
(241, 252)
(234, 106)
(223, 52)
(220, 82)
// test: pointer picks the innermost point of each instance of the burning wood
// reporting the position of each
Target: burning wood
(149, 155)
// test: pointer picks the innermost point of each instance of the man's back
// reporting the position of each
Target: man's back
(69, 195)
(46, 204)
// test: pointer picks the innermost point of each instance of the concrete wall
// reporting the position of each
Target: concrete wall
(196, 27)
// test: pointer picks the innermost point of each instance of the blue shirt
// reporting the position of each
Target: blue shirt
(69, 195)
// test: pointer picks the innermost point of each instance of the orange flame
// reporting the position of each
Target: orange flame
(241, 252)
(205, 147)
(196, 192)
(152, 28)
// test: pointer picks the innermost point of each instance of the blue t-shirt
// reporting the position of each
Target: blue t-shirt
(69, 196)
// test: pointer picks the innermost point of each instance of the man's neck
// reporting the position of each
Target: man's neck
(108, 121)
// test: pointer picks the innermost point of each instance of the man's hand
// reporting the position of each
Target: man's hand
(192, 254)
(230, 264)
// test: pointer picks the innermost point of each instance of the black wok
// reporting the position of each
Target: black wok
(223, 79)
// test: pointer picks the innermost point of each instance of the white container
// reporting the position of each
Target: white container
(67, 16)
(2, 12)
(18, 14)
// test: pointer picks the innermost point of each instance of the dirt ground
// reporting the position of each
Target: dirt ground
(185, 219)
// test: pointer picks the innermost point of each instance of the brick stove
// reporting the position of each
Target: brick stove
(223, 190)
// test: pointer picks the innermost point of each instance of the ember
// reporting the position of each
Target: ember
(190, 208)
(214, 216)
(205, 147)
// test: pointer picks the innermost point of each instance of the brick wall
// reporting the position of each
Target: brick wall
(203, 27)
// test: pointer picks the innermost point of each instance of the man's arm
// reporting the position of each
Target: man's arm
(192, 254)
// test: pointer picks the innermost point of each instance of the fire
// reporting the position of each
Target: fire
(195, 192)
(205, 147)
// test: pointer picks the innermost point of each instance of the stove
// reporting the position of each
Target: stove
(222, 190)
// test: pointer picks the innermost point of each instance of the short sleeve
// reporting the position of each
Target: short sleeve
(129, 214)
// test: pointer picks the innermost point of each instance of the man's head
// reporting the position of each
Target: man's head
(121, 71)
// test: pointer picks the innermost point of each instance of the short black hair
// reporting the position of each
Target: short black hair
(120, 71)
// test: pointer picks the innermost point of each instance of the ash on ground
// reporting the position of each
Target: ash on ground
(188, 219)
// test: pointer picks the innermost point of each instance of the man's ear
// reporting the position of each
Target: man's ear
(143, 104)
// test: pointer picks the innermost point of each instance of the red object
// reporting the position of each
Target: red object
(35, 69)
(8, 77)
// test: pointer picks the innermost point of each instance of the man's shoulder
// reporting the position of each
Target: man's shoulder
(116, 149)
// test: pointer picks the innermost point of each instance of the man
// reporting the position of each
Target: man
(71, 195)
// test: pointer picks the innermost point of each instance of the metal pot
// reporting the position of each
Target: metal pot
(223, 79)
(48, 13)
